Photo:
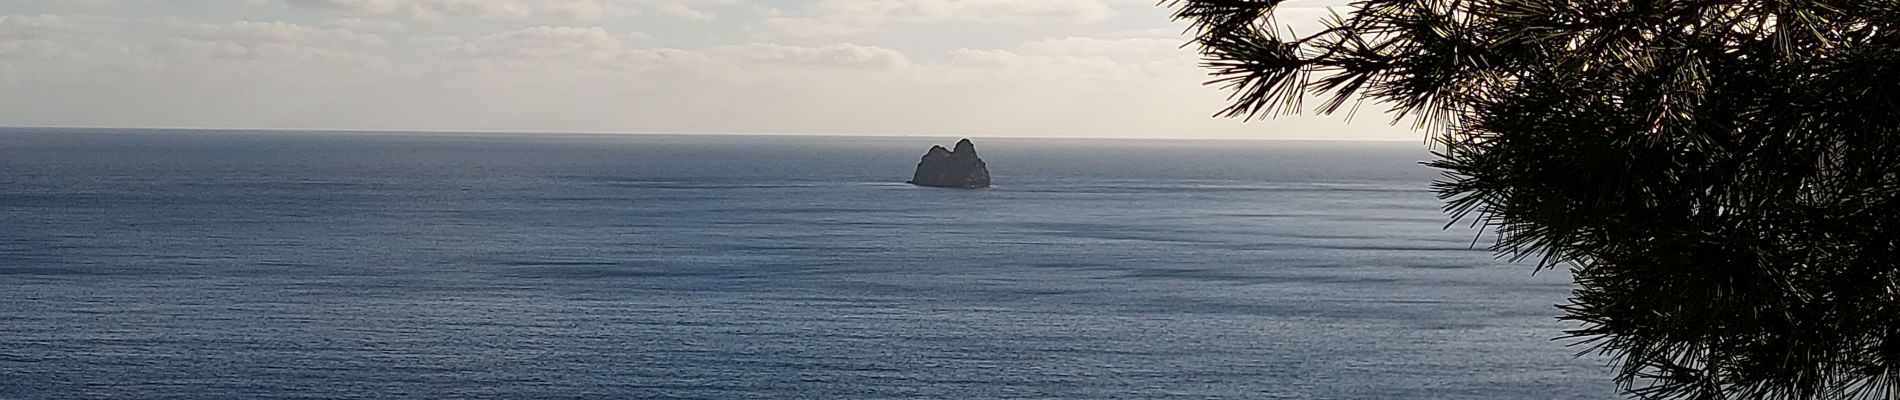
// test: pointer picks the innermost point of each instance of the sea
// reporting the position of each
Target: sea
(229, 264)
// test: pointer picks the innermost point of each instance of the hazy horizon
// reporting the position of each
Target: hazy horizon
(1421, 139)
(989, 68)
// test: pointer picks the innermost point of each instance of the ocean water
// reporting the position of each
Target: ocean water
(230, 264)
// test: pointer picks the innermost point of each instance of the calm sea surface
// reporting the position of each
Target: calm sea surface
(196, 264)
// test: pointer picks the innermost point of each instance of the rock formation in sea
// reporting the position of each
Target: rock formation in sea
(958, 168)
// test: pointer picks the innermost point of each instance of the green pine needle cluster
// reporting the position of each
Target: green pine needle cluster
(1722, 177)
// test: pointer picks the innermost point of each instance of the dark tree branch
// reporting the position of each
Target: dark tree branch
(1721, 177)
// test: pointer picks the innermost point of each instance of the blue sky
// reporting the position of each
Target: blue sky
(1103, 68)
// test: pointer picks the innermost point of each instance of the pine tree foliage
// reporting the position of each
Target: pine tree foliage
(1721, 177)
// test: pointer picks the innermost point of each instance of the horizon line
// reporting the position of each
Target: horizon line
(653, 133)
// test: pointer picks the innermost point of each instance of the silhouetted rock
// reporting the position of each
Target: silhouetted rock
(958, 168)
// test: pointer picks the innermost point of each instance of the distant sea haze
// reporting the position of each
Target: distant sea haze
(185, 265)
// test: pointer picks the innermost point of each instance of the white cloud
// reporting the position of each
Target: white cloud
(427, 8)
(256, 32)
(287, 44)
(32, 35)
(586, 10)
(568, 49)
(1077, 58)
(544, 41)
(77, 48)
(57, 38)
(842, 56)
(1136, 49)
(291, 53)
(35, 26)
(368, 66)
(551, 48)
(368, 25)
(838, 17)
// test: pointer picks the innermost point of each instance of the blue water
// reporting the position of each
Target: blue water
(202, 264)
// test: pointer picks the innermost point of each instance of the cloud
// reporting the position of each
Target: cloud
(367, 65)
(59, 48)
(32, 35)
(551, 48)
(273, 32)
(35, 26)
(368, 25)
(572, 48)
(842, 56)
(586, 10)
(545, 41)
(1136, 49)
(57, 38)
(839, 17)
(270, 42)
(1077, 59)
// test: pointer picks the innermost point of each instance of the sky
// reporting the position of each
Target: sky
(978, 68)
